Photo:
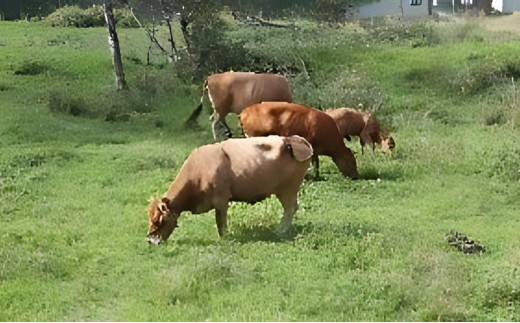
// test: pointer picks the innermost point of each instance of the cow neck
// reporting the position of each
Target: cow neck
(179, 196)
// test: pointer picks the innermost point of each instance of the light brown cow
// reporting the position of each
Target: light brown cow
(247, 170)
(286, 119)
(231, 92)
(352, 122)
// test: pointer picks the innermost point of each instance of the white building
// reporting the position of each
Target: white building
(420, 7)
(509, 6)
(393, 8)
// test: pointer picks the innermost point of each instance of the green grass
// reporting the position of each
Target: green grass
(74, 188)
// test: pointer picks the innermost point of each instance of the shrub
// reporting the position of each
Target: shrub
(74, 16)
(214, 51)
(479, 74)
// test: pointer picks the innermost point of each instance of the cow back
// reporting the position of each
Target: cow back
(231, 92)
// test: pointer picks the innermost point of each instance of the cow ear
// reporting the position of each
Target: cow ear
(163, 206)
(301, 148)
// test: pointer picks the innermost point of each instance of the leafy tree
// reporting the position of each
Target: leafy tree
(10, 9)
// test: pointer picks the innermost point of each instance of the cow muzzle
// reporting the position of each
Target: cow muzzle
(154, 239)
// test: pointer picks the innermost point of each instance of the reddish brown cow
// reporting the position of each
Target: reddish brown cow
(352, 122)
(246, 170)
(231, 92)
(286, 119)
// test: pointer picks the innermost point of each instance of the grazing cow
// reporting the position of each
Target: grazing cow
(231, 92)
(352, 122)
(286, 119)
(246, 169)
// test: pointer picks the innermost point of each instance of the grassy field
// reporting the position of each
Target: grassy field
(78, 163)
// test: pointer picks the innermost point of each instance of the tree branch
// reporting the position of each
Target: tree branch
(266, 23)
(152, 36)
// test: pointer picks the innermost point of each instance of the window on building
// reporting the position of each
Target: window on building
(415, 2)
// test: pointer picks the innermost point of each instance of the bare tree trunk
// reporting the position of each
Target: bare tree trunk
(166, 17)
(172, 42)
(184, 28)
(113, 43)
(430, 7)
(153, 39)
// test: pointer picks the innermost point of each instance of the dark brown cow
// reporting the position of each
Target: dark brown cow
(231, 92)
(352, 122)
(286, 119)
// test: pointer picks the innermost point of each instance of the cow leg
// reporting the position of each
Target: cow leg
(220, 128)
(227, 131)
(217, 130)
(221, 218)
(365, 139)
(363, 142)
(290, 205)
(316, 165)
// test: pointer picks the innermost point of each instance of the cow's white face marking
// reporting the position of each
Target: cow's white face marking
(154, 239)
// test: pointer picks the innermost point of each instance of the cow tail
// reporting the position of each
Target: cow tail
(195, 114)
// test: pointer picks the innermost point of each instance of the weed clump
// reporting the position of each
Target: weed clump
(74, 16)
(58, 102)
(111, 106)
(31, 68)
(502, 290)
(503, 164)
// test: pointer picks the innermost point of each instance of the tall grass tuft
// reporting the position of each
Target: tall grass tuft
(31, 67)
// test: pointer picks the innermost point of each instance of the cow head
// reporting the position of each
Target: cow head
(162, 221)
(387, 143)
(346, 163)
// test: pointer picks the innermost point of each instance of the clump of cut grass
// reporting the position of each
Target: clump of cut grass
(463, 243)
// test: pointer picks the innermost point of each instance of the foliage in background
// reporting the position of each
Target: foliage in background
(74, 16)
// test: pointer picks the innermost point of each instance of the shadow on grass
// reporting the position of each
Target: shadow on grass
(374, 171)
(261, 233)
(326, 231)
(374, 174)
